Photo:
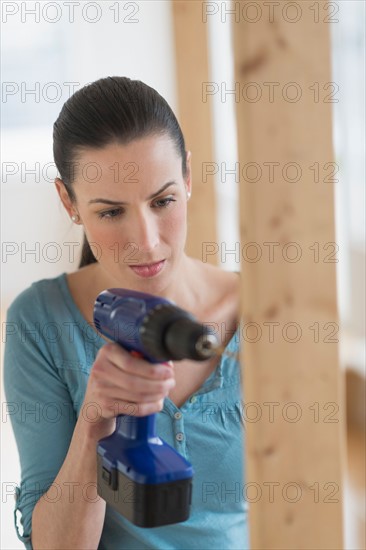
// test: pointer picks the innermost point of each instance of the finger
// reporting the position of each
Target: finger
(137, 409)
(143, 397)
(138, 366)
(135, 384)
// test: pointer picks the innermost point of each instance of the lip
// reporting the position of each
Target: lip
(148, 270)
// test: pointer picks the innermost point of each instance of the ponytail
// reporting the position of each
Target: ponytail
(87, 256)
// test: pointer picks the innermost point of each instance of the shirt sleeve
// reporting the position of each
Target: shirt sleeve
(39, 406)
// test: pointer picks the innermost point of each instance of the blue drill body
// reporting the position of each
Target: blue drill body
(139, 474)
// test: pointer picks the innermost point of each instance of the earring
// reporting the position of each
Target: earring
(188, 195)
(75, 218)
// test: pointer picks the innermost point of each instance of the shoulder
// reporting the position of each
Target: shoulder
(220, 281)
(219, 290)
(35, 300)
(27, 323)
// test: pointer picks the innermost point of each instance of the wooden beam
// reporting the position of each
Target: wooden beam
(294, 396)
(192, 71)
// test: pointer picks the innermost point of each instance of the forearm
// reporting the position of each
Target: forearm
(75, 519)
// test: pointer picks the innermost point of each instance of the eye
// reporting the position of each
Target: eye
(163, 203)
(109, 214)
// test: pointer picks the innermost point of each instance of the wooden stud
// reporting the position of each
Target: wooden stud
(192, 66)
(293, 388)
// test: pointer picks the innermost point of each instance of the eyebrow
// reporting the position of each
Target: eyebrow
(108, 201)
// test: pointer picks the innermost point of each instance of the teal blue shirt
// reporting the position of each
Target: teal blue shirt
(49, 351)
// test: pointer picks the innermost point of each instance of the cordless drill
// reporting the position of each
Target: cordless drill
(140, 475)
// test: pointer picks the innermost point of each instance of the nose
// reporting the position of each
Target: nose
(144, 232)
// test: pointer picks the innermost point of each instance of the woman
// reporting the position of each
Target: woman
(125, 176)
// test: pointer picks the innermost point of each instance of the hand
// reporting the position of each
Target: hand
(122, 384)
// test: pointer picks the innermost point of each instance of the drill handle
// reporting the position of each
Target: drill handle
(136, 427)
(133, 427)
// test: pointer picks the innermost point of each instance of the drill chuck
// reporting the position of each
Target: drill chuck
(171, 333)
(206, 346)
(153, 326)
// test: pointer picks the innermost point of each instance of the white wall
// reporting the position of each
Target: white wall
(77, 53)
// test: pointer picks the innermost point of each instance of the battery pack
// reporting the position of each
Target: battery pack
(141, 476)
(145, 504)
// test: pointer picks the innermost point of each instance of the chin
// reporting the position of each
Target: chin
(129, 277)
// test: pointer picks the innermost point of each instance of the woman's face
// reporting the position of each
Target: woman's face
(132, 202)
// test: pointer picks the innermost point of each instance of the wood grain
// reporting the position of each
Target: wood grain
(289, 289)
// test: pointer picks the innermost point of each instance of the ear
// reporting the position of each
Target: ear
(64, 196)
(188, 180)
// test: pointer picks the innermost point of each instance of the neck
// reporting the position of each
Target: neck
(180, 289)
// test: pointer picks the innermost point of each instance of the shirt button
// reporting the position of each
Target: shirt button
(193, 399)
(179, 436)
(178, 415)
